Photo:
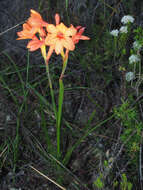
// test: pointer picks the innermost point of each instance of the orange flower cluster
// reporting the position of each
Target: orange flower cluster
(58, 37)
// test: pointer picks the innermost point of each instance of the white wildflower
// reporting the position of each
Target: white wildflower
(130, 76)
(8, 118)
(114, 32)
(127, 19)
(134, 59)
(123, 29)
(137, 45)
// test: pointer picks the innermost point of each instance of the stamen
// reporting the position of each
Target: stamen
(60, 35)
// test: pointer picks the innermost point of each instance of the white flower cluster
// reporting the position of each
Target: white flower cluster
(137, 45)
(134, 59)
(123, 29)
(127, 19)
(114, 32)
(130, 76)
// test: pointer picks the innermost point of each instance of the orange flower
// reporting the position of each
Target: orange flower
(59, 37)
(34, 25)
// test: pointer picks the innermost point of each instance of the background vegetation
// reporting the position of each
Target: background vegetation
(102, 113)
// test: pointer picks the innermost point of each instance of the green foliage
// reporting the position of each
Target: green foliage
(125, 184)
(131, 128)
(98, 183)
(138, 32)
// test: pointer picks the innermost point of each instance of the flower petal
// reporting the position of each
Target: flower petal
(51, 28)
(81, 31)
(70, 31)
(35, 14)
(58, 47)
(57, 18)
(36, 20)
(34, 44)
(50, 39)
(84, 38)
(78, 36)
(78, 27)
(42, 32)
(51, 49)
(24, 35)
(61, 28)
(68, 43)
(26, 26)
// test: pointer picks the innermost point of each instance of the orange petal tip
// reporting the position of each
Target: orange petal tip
(57, 18)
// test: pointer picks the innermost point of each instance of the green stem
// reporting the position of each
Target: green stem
(60, 104)
(51, 90)
(59, 116)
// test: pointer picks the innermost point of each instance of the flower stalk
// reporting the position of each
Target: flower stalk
(60, 102)
(51, 89)
(59, 39)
